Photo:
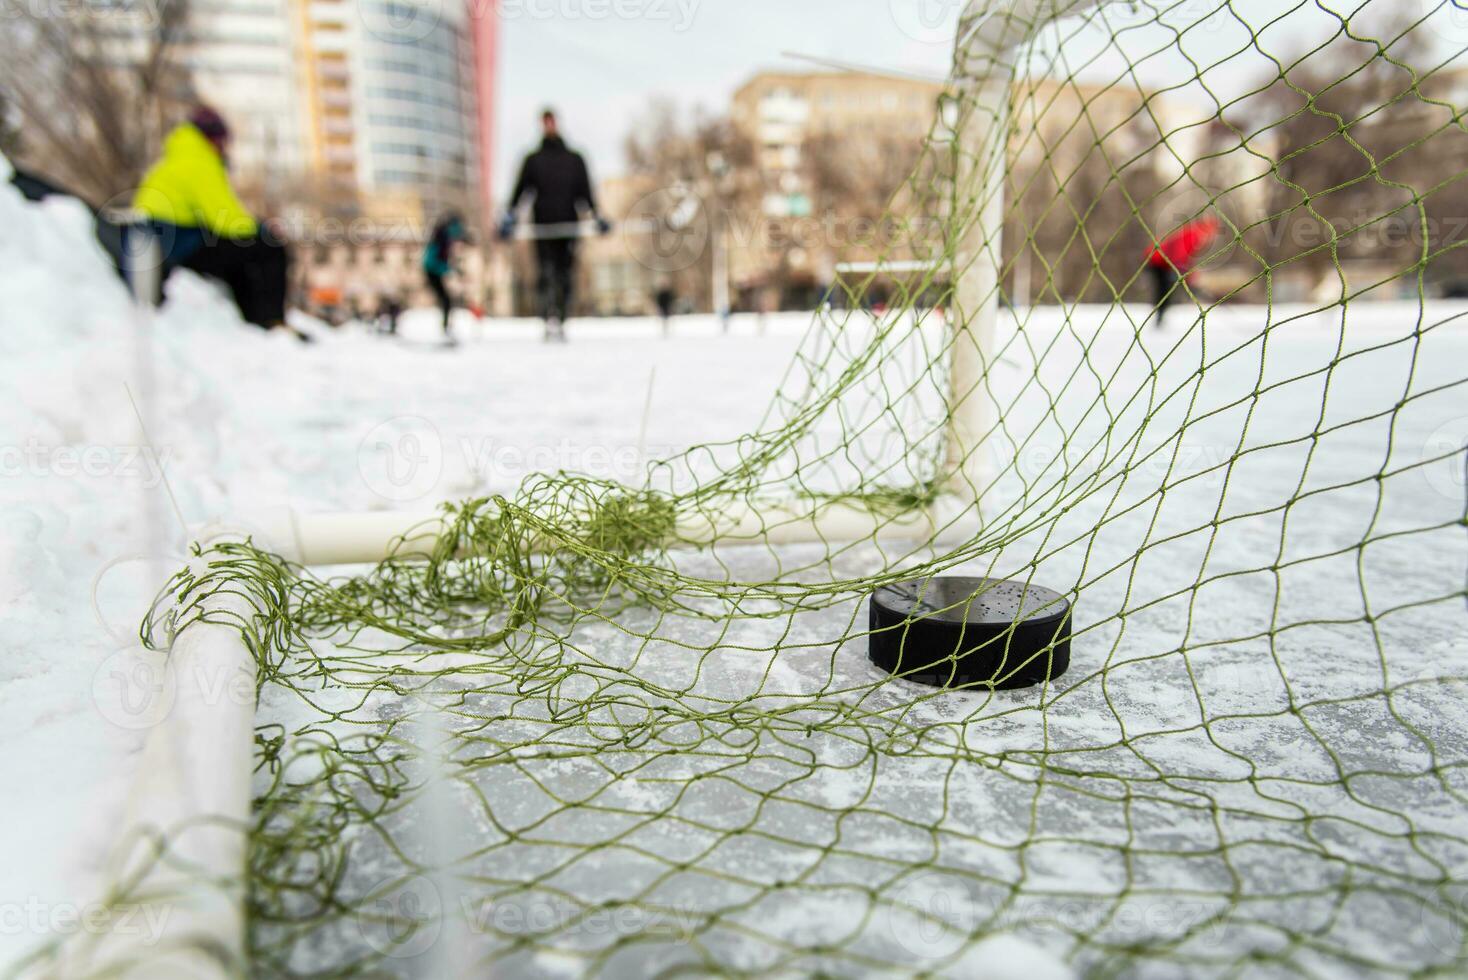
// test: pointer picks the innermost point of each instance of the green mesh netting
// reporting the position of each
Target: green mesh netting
(633, 731)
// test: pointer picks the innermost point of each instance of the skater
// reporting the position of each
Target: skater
(1169, 263)
(200, 224)
(437, 263)
(389, 308)
(557, 179)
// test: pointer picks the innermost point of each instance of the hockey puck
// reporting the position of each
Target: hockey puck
(955, 632)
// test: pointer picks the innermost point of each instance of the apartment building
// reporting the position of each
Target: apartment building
(786, 255)
(241, 54)
(782, 112)
(372, 108)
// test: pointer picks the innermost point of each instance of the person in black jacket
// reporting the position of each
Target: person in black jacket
(557, 179)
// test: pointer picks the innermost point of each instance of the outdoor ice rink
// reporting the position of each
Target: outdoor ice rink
(1307, 774)
(1330, 825)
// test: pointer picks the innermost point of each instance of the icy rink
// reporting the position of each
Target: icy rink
(363, 422)
(1219, 774)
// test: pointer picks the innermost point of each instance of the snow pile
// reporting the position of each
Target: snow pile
(76, 476)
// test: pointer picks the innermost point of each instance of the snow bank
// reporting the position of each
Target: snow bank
(75, 476)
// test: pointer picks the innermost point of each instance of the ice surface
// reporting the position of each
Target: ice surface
(1219, 775)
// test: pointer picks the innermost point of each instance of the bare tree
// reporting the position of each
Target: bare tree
(10, 140)
(853, 179)
(1083, 191)
(701, 155)
(93, 85)
(1368, 148)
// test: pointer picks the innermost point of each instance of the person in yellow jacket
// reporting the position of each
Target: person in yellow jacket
(200, 224)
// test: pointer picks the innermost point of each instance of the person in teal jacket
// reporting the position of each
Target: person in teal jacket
(200, 224)
(438, 261)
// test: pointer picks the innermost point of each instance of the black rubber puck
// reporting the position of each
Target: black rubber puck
(952, 632)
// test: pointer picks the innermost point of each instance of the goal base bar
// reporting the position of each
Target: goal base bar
(328, 539)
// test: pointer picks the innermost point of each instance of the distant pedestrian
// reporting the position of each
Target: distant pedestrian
(556, 179)
(1170, 262)
(665, 298)
(389, 308)
(438, 257)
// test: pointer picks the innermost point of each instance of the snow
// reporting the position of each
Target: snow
(242, 420)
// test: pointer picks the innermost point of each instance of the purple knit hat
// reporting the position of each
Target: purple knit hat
(211, 124)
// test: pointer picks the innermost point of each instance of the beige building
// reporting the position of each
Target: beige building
(360, 264)
(787, 252)
(782, 112)
(1069, 140)
(1123, 164)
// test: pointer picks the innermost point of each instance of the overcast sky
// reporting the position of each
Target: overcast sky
(601, 62)
(601, 72)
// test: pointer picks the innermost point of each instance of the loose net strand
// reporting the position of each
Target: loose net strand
(669, 755)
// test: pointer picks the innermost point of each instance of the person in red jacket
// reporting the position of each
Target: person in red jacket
(1170, 262)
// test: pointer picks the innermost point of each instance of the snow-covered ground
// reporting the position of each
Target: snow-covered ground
(241, 421)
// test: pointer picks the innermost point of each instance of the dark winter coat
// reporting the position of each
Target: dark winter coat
(556, 175)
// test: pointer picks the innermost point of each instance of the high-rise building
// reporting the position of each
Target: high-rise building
(484, 26)
(241, 55)
(378, 108)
